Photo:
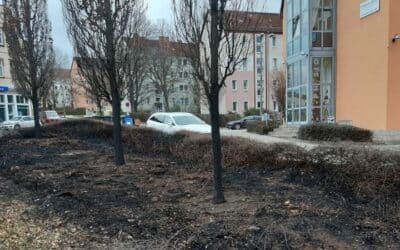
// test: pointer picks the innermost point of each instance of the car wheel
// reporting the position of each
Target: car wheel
(17, 126)
(237, 126)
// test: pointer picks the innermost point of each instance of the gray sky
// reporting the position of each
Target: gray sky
(157, 9)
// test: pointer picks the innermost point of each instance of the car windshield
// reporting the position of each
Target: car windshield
(183, 120)
(52, 114)
(17, 118)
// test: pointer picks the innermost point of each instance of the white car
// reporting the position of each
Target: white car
(174, 122)
(19, 122)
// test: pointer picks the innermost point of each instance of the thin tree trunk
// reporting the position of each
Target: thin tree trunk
(217, 151)
(117, 129)
(166, 103)
(214, 102)
(35, 104)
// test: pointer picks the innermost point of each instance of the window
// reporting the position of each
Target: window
(158, 99)
(148, 100)
(274, 41)
(186, 101)
(259, 70)
(245, 64)
(258, 49)
(234, 106)
(179, 62)
(275, 106)
(157, 118)
(180, 75)
(275, 63)
(258, 105)
(259, 39)
(1, 98)
(259, 61)
(258, 91)
(274, 83)
(10, 99)
(245, 84)
(20, 99)
(184, 62)
(322, 23)
(186, 87)
(186, 75)
(180, 87)
(234, 87)
(1, 38)
(1, 67)
(246, 106)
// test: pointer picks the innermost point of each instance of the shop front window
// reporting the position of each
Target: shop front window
(322, 101)
(22, 110)
(2, 113)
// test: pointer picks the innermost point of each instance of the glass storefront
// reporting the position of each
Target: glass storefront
(310, 60)
(12, 105)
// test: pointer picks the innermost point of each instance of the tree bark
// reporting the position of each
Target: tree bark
(166, 103)
(217, 151)
(214, 102)
(35, 105)
(117, 129)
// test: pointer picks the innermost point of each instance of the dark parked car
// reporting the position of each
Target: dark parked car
(243, 122)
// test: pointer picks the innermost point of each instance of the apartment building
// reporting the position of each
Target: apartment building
(254, 83)
(177, 74)
(342, 62)
(12, 103)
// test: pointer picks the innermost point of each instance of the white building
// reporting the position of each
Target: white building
(12, 104)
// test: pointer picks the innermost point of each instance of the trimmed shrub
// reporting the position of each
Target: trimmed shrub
(252, 111)
(223, 119)
(334, 132)
(259, 127)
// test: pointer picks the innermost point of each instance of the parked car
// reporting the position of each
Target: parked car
(49, 116)
(174, 122)
(242, 123)
(18, 122)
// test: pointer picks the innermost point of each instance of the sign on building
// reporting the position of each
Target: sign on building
(369, 7)
(3, 89)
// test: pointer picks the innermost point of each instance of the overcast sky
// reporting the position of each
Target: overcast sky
(157, 9)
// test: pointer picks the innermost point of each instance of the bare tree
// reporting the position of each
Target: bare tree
(99, 30)
(30, 47)
(163, 64)
(216, 53)
(280, 90)
(138, 62)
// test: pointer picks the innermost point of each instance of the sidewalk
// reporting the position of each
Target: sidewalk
(308, 145)
(266, 139)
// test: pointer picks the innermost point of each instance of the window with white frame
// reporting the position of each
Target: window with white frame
(245, 64)
(274, 41)
(246, 106)
(1, 67)
(245, 85)
(234, 106)
(234, 87)
(275, 63)
(1, 37)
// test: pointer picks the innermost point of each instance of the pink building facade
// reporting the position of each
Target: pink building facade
(254, 84)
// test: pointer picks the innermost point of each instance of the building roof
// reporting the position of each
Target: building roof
(253, 22)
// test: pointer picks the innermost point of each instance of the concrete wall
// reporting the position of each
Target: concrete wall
(362, 65)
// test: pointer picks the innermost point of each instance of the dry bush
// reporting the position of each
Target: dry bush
(259, 127)
(358, 172)
(223, 119)
(334, 132)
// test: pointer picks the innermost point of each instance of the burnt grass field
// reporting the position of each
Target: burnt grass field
(59, 192)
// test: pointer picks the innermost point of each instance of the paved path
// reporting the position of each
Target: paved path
(266, 139)
(305, 144)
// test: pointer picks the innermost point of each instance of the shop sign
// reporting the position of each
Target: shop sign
(369, 7)
(4, 89)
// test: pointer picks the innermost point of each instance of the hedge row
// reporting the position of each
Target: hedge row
(364, 174)
(260, 127)
(334, 132)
